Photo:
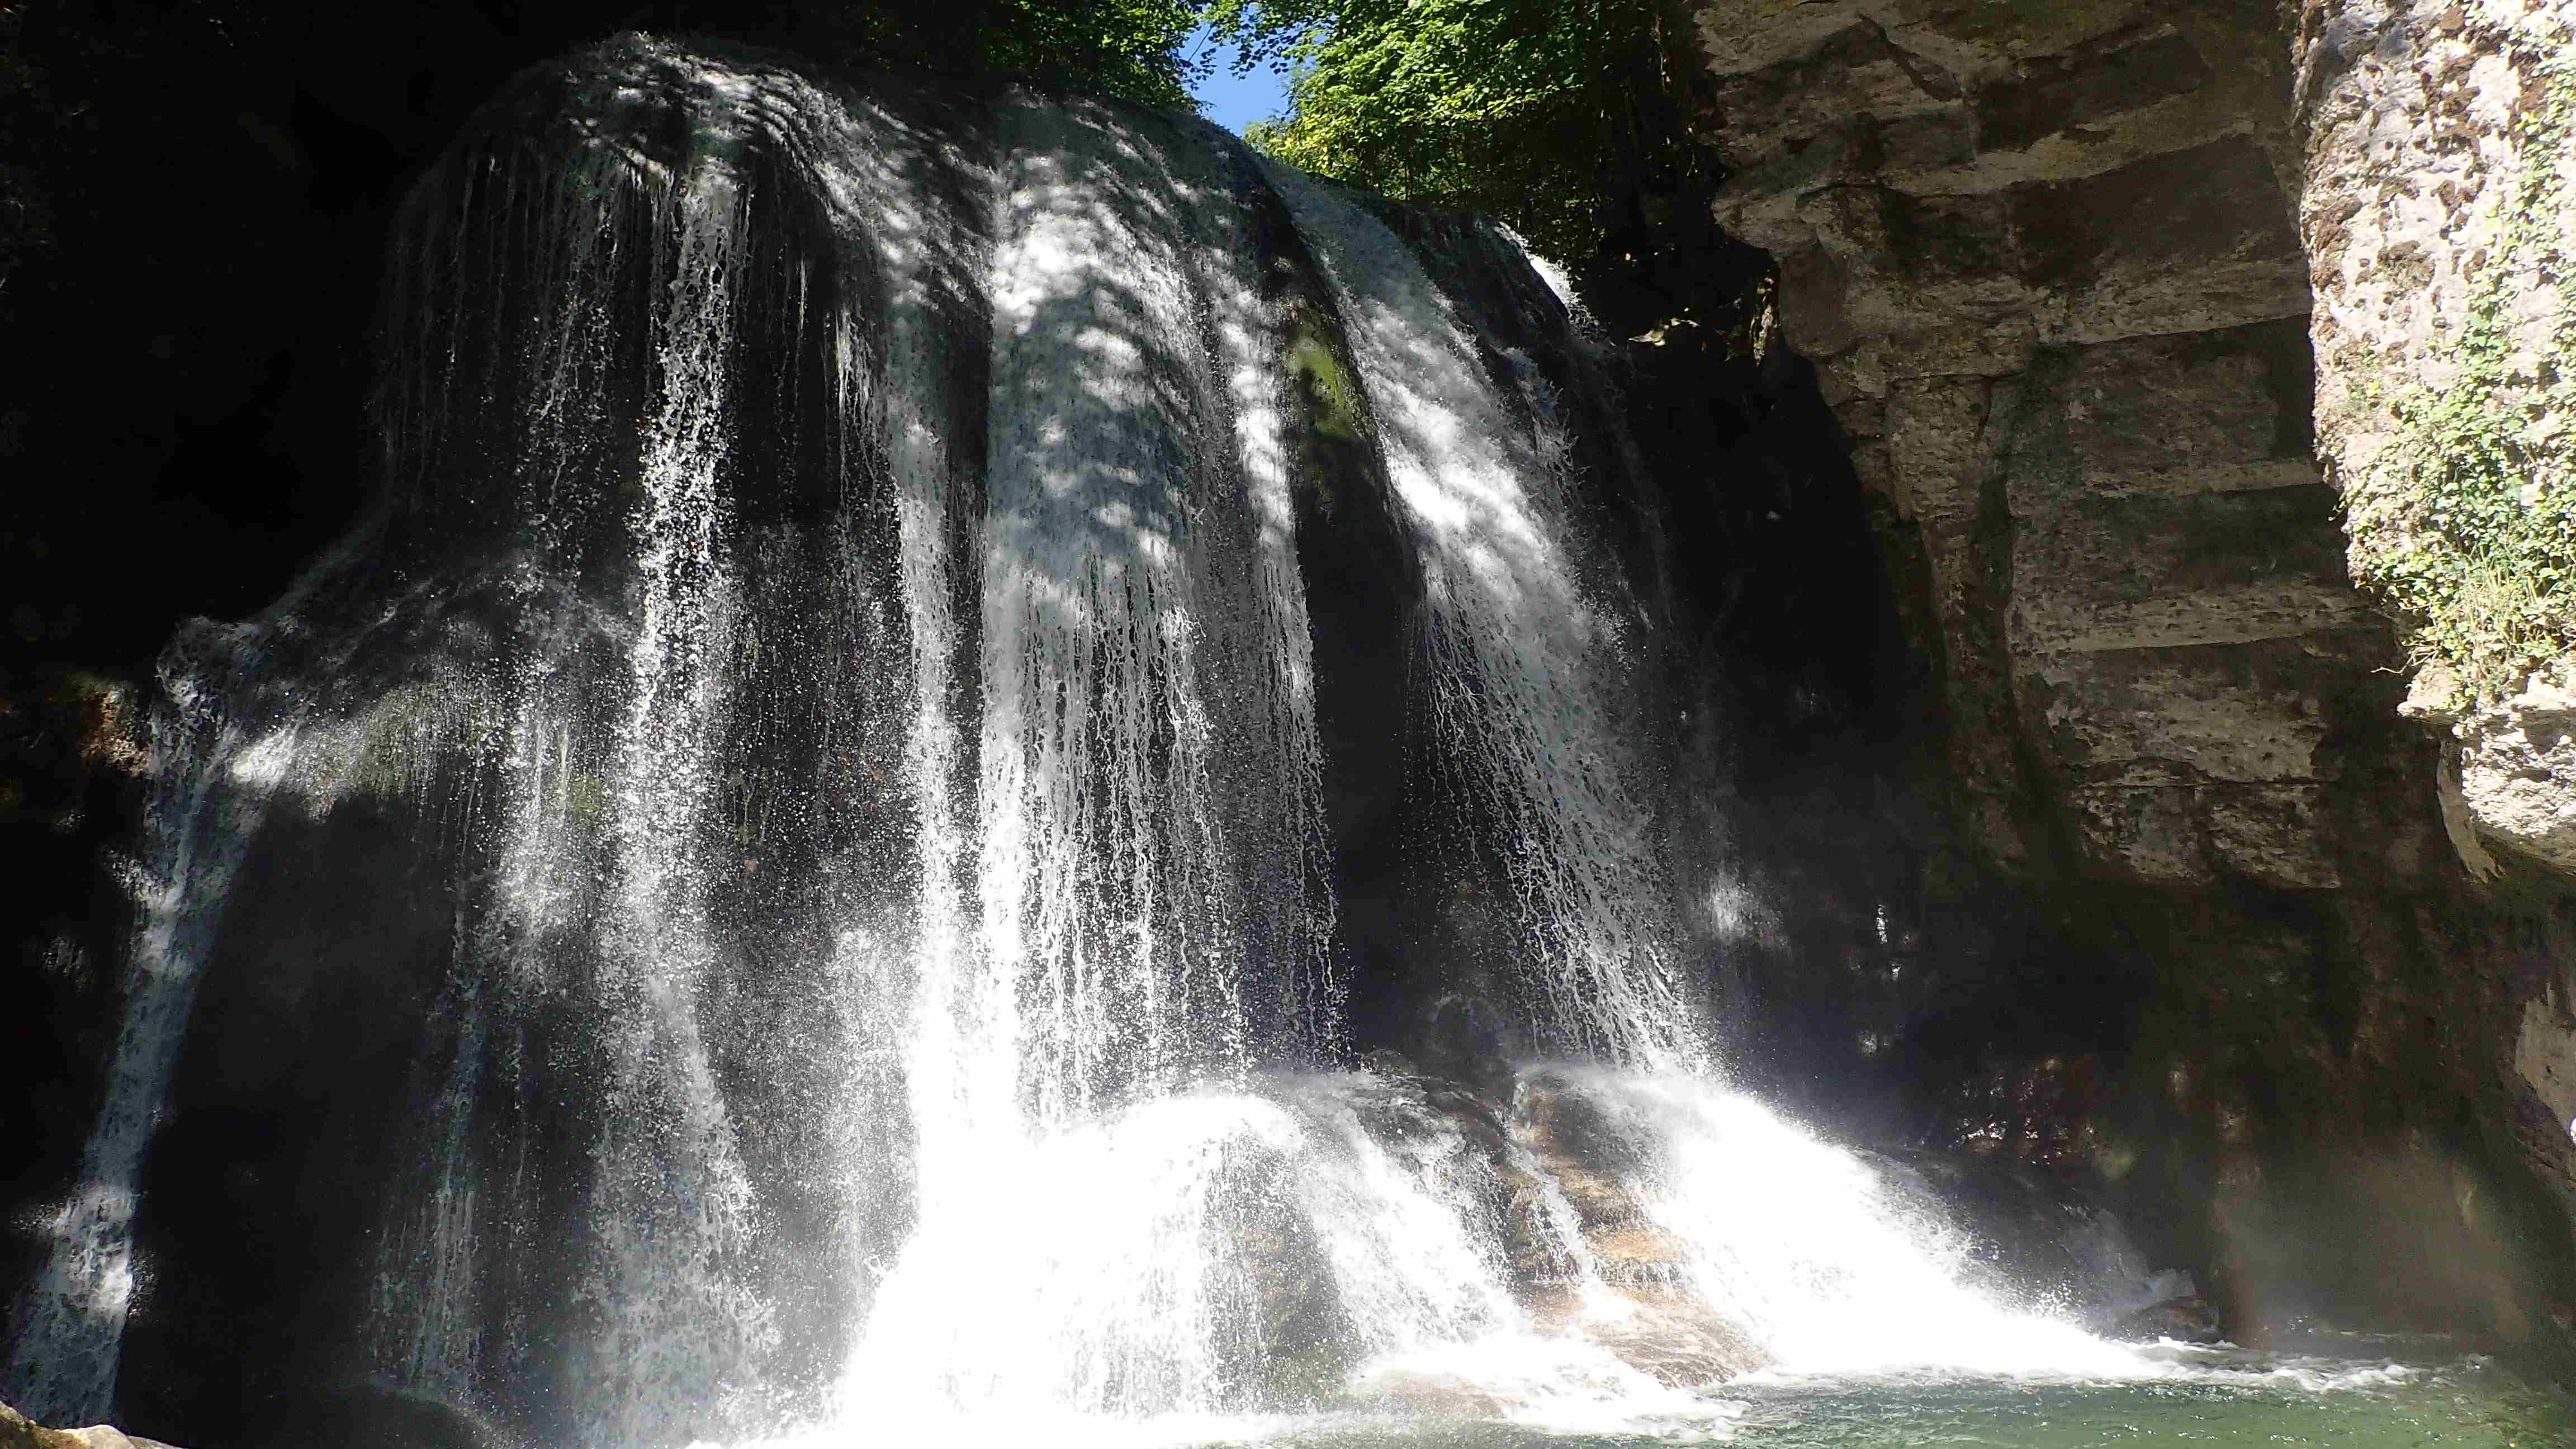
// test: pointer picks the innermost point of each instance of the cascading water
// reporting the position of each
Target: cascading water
(1522, 665)
(835, 670)
(213, 785)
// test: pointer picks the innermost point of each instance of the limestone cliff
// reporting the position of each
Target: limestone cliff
(2047, 266)
(2438, 217)
(2048, 261)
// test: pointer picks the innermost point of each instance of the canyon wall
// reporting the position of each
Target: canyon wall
(2437, 216)
(2048, 263)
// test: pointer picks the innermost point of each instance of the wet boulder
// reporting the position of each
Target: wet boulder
(1602, 1174)
(1292, 1344)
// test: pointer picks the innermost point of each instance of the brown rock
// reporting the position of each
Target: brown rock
(1664, 1330)
(17, 1432)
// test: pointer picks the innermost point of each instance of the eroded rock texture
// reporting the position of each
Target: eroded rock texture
(2048, 261)
(2047, 266)
(2438, 211)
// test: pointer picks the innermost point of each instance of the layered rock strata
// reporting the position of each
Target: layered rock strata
(2048, 263)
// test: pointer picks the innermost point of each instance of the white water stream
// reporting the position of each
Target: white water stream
(215, 784)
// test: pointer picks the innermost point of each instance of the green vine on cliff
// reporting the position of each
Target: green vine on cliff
(2466, 522)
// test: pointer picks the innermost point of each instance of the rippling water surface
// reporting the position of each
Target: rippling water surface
(2348, 1393)
(2208, 1399)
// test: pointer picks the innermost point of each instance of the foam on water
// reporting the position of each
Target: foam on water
(1803, 1244)
(1152, 1283)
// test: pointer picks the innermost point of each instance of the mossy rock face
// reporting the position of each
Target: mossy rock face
(2461, 496)
(2440, 220)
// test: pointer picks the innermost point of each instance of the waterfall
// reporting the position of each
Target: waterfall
(1139, 598)
(1521, 662)
(212, 777)
(835, 672)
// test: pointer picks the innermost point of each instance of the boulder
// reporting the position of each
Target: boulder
(1294, 1346)
(1553, 1153)
(18, 1432)
(1660, 1327)
(2517, 770)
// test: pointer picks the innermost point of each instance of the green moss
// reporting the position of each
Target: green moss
(2467, 521)
(1312, 362)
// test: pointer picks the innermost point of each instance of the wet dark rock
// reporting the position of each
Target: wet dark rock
(1668, 1333)
(62, 730)
(73, 767)
(2037, 1237)
(1598, 1170)
(1398, 1101)
(2184, 1320)
(1293, 1345)
(1677, 1341)
(364, 1414)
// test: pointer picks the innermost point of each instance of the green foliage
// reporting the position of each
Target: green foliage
(1128, 48)
(1529, 110)
(2467, 522)
(1133, 49)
